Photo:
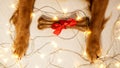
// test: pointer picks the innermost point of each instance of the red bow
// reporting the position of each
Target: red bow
(62, 24)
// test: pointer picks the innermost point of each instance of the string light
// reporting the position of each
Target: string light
(88, 32)
(102, 66)
(55, 18)
(78, 18)
(7, 25)
(65, 11)
(119, 38)
(118, 22)
(15, 56)
(84, 54)
(36, 66)
(5, 60)
(54, 44)
(42, 56)
(32, 15)
(13, 6)
(59, 60)
(118, 7)
(9, 32)
(117, 64)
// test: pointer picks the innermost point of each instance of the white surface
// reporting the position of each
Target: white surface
(63, 58)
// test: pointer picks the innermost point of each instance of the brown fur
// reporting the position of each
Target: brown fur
(97, 9)
(21, 20)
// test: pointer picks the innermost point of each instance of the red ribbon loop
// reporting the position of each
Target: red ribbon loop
(62, 24)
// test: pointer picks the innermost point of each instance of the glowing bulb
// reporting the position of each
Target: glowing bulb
(107, 55)
(13, 6)
(104, 56)
(42, 56)
(119, 37)
(7, 24)
(117, 64)
(88, 32)
(55, 18)
(36, 66)
(118, 22)
(78, 18)
(65, 11)
(59, 60)
(5, 60)
(84, 54)
(32, 14)
(54, 44)
(118, 7)
(16, 56)
(9, 32)
(102, 66)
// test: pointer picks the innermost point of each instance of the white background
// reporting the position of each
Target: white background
(64, 59)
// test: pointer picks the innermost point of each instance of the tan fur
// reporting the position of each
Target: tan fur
(97, 9)
(21, 20)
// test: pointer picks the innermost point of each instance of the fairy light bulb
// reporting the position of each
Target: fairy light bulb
(32, 15)
(54, 44)
(84, 54)
(15, 56)
(55, 18)
(9, 32)
(117, 64)
(118, 37)
(118, 22)
(102, 66)
(59, 60)
(36, 66)
(118, 7)
(88, 32)
(5, 60)
(78, 18)
(42, 56)
(13, 6)
(7, 24)
(65, 11)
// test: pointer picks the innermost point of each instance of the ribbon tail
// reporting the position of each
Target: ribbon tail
(58, 31)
